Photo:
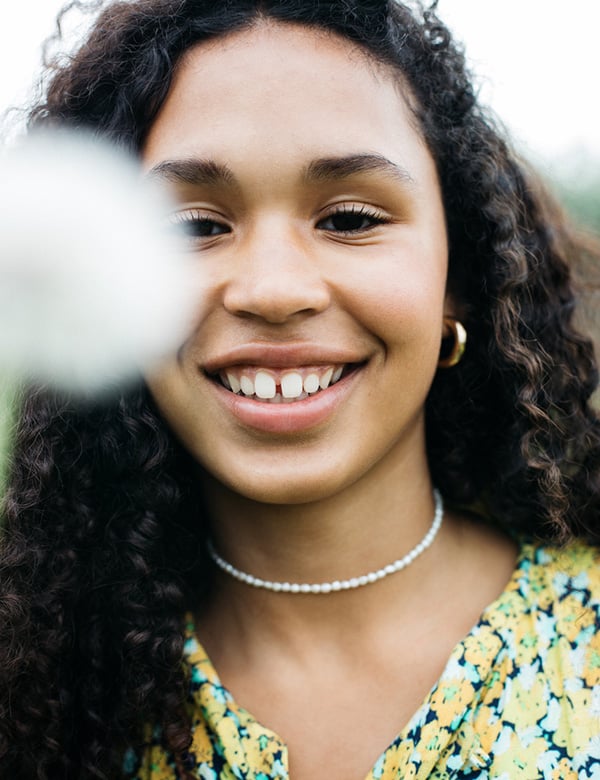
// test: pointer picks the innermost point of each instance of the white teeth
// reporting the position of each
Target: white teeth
(326, 379)
(234, 382)
(264, 385)
(246, 385)
(291, 385)
(311, 383)
(301, 397)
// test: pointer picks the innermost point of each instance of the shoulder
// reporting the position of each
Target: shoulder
(546, 623)
(552, 588)
(554, 594)
(559, 578)
(539, 712)
(572, 558)
(550, 630)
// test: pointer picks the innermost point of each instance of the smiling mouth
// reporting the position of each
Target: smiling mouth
(278, 386)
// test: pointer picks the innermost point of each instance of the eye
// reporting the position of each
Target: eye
(352, 219)
(193, 226)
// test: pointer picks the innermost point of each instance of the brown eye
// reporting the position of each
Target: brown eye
(195, 228)
(199, 226)
(351, 220)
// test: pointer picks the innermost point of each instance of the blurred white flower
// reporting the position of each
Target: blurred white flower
(92, 291)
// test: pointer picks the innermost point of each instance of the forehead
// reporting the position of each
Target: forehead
(287, 89)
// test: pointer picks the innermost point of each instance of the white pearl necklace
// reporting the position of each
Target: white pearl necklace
(336, 585)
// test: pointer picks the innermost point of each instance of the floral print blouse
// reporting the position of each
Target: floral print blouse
(519, 698)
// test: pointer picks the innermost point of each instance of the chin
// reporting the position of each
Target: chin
(283, 489)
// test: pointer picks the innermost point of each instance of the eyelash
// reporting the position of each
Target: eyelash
(375, 218)
(194, 222)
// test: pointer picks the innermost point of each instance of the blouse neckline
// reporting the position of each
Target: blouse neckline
(445, 710)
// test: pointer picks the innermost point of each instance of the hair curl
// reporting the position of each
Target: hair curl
(102, 548)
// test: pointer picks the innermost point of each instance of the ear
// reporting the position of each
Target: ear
(453, 307)
(454, 334)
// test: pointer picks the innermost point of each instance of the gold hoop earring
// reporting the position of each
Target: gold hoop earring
(459, 336)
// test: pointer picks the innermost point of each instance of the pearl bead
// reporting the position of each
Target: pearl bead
(337, 585)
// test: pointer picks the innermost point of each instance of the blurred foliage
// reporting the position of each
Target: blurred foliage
(575, 178)
(576, 182)
(8, 405)
(582, 201)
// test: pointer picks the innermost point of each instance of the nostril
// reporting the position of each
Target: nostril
(276, 296)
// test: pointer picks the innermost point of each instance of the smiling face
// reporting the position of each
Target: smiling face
(314, 211)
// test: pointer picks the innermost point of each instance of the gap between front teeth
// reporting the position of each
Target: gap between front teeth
(292, 385)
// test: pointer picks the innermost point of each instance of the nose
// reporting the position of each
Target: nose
(276, 277)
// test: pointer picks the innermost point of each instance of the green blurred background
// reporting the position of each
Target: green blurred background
(581, 197)
(7, 408)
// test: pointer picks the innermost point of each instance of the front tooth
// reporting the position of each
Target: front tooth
(311, 383)
(234, 382)
(264, 385)
(300, 397)
(291, 385)
(247, 385)
(326, 379)
(337, 374)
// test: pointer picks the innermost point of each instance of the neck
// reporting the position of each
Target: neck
(334, 586)
(362, 527)
(249, 623)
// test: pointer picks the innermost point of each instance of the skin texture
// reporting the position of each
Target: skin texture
(279, 276)
(282, 282)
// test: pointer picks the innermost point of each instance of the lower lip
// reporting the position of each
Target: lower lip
(293, 417)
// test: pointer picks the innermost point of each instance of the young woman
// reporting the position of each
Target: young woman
(318, 543)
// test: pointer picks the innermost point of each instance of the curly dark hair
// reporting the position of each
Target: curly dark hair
(103, 543)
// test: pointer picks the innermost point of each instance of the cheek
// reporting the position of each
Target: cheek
(400, 298)
(174, 397)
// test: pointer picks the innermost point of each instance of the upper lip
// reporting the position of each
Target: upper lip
(280, 356)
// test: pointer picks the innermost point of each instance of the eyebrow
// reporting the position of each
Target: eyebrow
(198, 172)
(338, 168)
(193, 171)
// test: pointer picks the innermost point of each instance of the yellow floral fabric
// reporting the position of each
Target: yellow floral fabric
(519, 698)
